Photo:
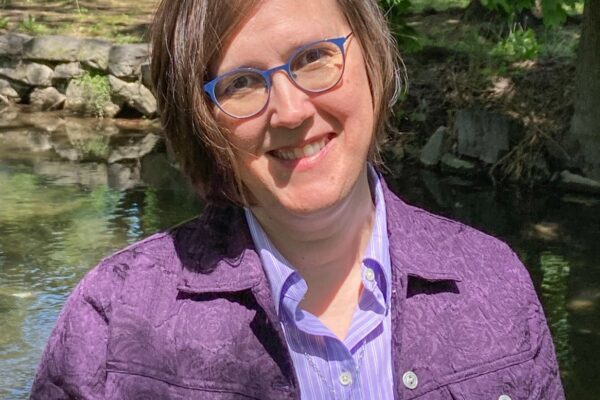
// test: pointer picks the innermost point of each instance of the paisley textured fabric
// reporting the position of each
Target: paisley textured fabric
(188, 314)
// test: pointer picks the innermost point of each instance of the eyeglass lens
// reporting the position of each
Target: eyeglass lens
(315, 68)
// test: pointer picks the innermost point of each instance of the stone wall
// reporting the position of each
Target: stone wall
(83, 76)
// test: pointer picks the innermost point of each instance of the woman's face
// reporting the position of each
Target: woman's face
(338, 122)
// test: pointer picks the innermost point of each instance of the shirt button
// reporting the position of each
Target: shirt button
(410, 380)
(345, 378)
(369, 274)
(504, 397)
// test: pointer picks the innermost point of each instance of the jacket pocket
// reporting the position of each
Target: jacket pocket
(510, 383)
(131, 386)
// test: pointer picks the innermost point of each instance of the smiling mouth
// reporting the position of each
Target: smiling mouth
(296, 153)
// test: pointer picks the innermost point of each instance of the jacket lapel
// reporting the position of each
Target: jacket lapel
(218, 256)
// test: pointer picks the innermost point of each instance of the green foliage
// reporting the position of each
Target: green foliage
(29, 24)
(554, 287)
(98, 91)
(406, 36)
(519, 45)
(555, 12)
(438, 5)
(94, 149)
(3, 22)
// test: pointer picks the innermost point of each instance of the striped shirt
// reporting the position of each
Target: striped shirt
(360, 366)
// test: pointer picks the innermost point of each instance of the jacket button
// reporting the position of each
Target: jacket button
(504, 397)
(369, 274)
(410, 380)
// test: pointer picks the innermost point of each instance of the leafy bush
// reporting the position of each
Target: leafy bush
(555, 12)
(406, 36)
(519, 45)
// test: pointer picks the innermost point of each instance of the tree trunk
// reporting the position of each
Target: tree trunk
(585, 125)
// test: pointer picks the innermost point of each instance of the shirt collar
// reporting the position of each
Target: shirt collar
(279, 270)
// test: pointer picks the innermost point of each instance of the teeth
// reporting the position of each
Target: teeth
(308, 150)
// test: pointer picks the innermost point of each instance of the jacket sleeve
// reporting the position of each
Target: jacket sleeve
(73, 363)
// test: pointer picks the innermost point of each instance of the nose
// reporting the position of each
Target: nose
(290, 105)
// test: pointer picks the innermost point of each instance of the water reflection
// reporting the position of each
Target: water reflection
(59, 216)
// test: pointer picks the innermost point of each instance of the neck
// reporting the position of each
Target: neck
(323, 239)
(326, 249)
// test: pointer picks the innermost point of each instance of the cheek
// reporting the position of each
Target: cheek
(245, 136)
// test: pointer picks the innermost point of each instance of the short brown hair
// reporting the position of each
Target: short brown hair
(188, 35)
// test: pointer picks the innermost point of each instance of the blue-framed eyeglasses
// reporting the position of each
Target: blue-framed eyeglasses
(245, 92)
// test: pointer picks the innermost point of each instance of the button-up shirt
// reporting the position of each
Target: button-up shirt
(358, 367)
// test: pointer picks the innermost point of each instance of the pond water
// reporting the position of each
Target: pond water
(59, 216)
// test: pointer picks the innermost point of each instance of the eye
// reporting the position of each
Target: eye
(311, 56)
(314, 56)
(239, 83)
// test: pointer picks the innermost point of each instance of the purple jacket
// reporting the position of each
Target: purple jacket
(188, 314)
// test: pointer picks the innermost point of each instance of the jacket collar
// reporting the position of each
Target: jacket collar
(218, 254)
(411, 234)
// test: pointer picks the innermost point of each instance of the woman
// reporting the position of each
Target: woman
(304, 277)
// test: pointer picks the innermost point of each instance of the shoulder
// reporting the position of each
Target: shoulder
(437, 243)
(468, 299)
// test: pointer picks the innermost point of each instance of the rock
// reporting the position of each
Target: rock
(433, 150)
(125, 60)
(11, 44)
(8, 91)
(52, 48)
(81, 174)
(123, 176)
(9, 118)
(134, 149)
(68, 71)
(433, 184)
(146, 75)
(25, 139)
(133, 94)
(46, 99)
(587, 158)
(578, 183)
(94, 53)
(485, 135)
(86, 129)
(86, 100)
(452, 164)
(44, 121)
(67, 153)
(31, 74)
(557, 153)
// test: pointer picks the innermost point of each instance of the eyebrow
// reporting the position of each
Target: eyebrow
(296, 44)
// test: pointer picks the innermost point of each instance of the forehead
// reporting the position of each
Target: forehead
(275, 27)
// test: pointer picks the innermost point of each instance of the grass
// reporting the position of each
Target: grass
(98, 89)
(112, 19)
(438, 5)
(488, 42)
(30, 25)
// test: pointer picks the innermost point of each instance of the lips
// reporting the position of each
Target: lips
(305, 151)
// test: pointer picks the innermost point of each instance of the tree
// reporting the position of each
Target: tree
(584, 136)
